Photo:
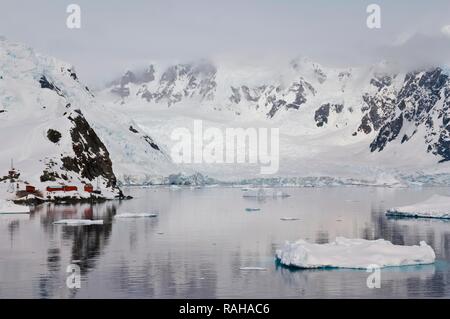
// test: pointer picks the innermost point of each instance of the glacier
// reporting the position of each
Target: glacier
(338, 126)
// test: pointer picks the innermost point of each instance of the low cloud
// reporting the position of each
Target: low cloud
(420, 51)
(116, 35)
(446, 30)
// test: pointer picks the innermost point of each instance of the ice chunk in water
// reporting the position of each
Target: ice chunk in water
(78, 222)
(353, 253)
(135, 215)
(436, 206)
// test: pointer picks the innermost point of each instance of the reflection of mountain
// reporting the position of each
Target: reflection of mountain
(13, 227)
(346, 283)
(88, 242)
(13, 223)
(201, 238)
(322, 237)
(164, 277)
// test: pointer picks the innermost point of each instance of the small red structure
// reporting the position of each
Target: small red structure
(30, 189)
(53, 189)
(88, 188)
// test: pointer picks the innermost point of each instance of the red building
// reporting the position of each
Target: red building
(53, 189)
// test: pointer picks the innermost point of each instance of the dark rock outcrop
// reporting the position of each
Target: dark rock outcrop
(46, 84)
(321, 115)
(152, 143)
(323, 112)
(91, 158)
(389, 133)
(422, 100)
(54, 136)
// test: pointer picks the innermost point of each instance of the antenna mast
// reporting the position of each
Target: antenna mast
(11, 187)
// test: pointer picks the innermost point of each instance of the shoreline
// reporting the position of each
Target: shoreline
(69, 200)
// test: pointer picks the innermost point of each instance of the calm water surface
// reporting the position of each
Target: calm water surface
(202, 237)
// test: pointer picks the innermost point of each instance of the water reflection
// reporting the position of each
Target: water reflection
(12, 222)
(86, 243)
(202, 237)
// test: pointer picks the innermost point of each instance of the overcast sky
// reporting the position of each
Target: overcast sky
(119, 34)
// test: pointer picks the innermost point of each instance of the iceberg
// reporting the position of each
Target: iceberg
(78, 222)
(8, 207)
(135, 215)
(354, 254)
(436, 206)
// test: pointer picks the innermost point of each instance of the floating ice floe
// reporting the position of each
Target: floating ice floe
(8, 207)
(252, 209)
(78, 222)
(252, 268)
(264, 193)
(135, 215)
(436, 206)
(353, 253)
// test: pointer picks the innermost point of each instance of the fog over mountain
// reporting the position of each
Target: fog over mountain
(117, 35)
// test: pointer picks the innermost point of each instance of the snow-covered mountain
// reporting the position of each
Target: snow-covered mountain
(365, 123)
(369, 125)
(56, 132)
